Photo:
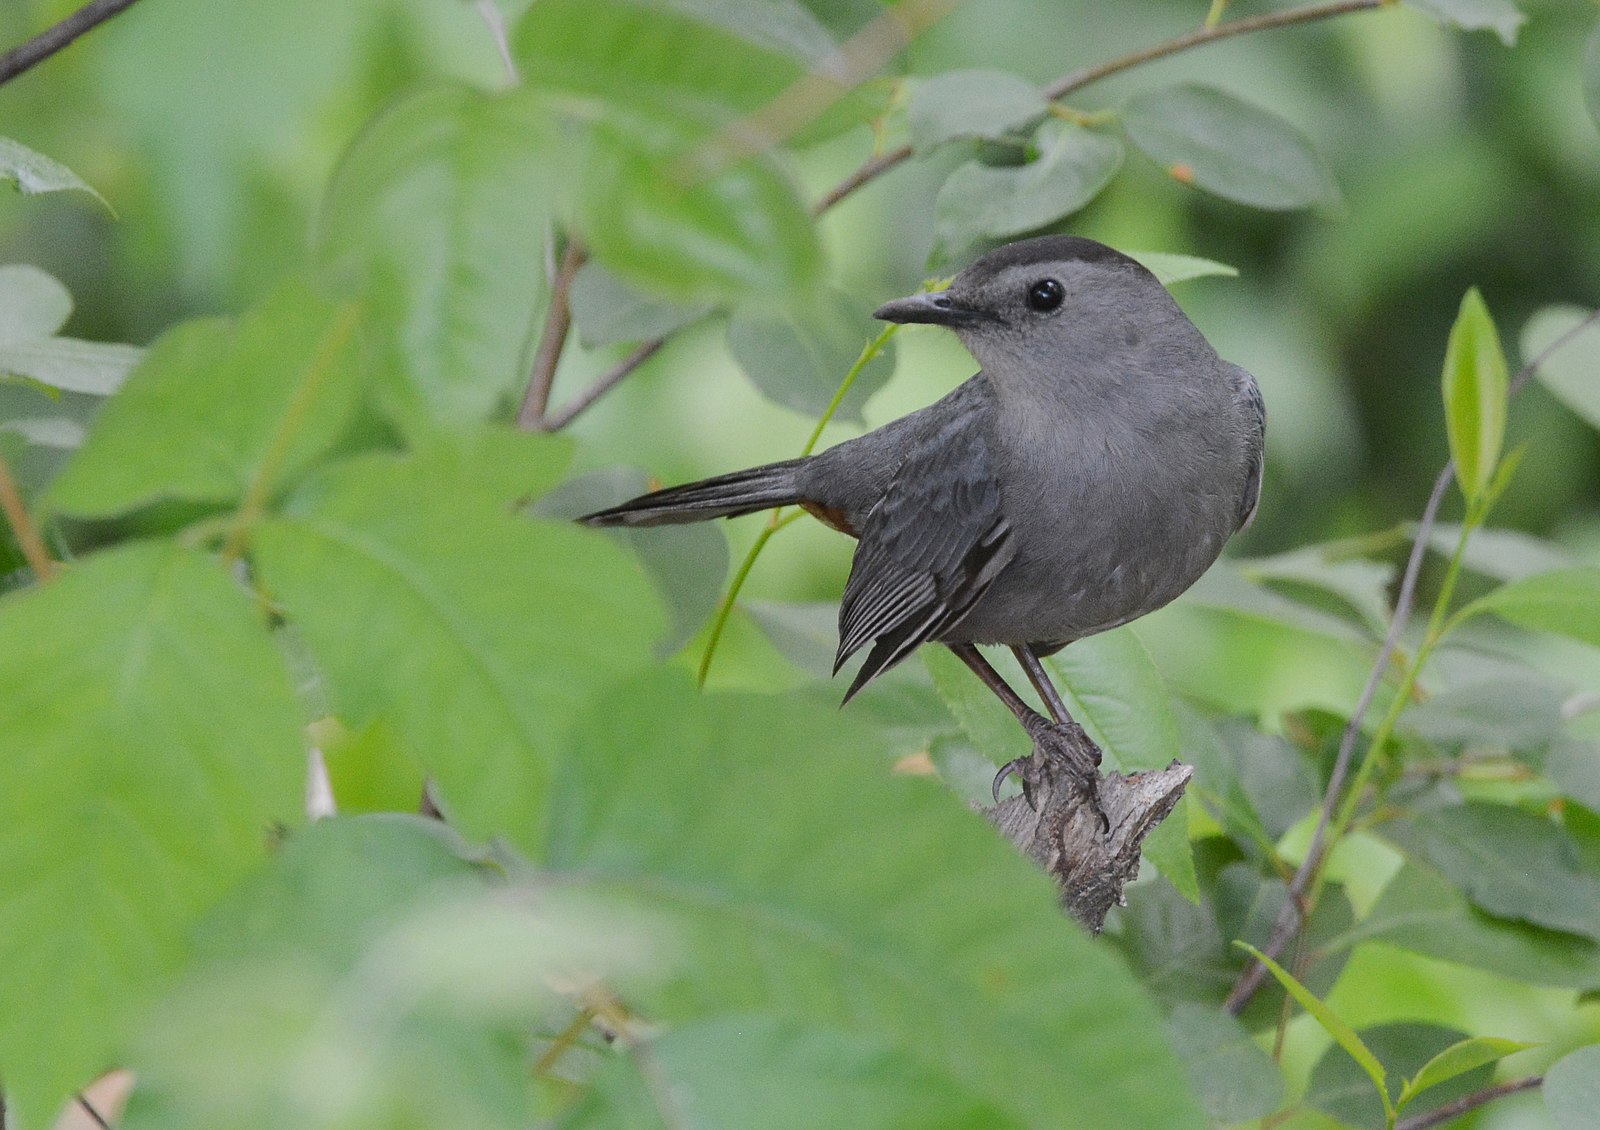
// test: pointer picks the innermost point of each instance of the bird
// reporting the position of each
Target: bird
(1086, 475)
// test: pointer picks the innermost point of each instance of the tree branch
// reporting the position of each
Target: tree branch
(553, 338)
(879, 164)
(603, 384)
(53, 38)
(1440, 1115)
(1293, 914)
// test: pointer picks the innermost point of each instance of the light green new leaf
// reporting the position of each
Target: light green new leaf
(151, 741)
(1208, 138)
(1344, 1035)
(1115, 692)
(1572, 1089)
(1499, 16)
(475, 633)
(971, 104)
(237, 407)
(1565, 601)
(438, 216)
(1172, 268)
(33, 307)
(981, 201)
(1458, 1059)
(794, 876)
(1569, 371)
(1475, 393)
(33, 172)
(797, 355)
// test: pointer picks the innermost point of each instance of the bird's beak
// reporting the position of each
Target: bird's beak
(937, 309)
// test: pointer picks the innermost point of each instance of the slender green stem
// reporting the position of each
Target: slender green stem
(779, 519)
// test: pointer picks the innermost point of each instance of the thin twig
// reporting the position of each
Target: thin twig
(866, 174)
(1077, 80)
(603, 384)
(1439, 1115)
(557, 321)
(53, 38)
(1292, 915)
(88, 1107)
(27, 534)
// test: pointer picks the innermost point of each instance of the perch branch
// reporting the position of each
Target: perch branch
(26, 55)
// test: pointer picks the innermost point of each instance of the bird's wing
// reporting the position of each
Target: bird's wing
(929, 548)
(1250, 394)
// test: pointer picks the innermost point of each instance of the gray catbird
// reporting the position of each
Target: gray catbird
(1089, 474)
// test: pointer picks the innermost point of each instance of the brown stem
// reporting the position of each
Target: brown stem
(53, 38)
(1438, 1116)
(27, 534)
(1293, 914)
(557, 321)
(602, 385)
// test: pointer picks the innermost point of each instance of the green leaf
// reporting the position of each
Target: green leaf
(1226, 588)
(981, 201)
(474, 633)
(687, 564)
(1361, 584)
(1514, 713)
(972, 104)
(797, 355)
(1499, 16)
(607, 311)
(1222, 781)
(1572, 1089)
(781, 1074)
(1344, 1035)
(35, 173)
(438, 216)
(1566, 602)
(1508, 555)
(1341, 1089)
(1458, 1059)
(988, 725)
(795, 878)
(1508, 862)
(1235, 1079)
(242, 407)
(1591, 76)
(151, 740)
(1114, 691)
(1475, 393)
(1573, 766)
(1172, 268)
(1424, 912)
(1568, 372)
(33, 307)
(1208, 138)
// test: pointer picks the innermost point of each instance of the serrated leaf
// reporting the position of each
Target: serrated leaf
(1564, 601)
(1475, 394)
(981, 201)
(1572, 1089)
(33, 172)
(1344, 1035)
(1113, 689)
(797, 356)
(1171, 268)
(781, 1074)
(1234, 1078)
(151, 740)
(1458, 1059)
(1499, 16)
(438, 217)
(820, 908)
(1207, 137)
(235, 406)
(475, 634)
(33, 307)
(607, 311)
(971, 104)
(1508, 862)
(1569, 371)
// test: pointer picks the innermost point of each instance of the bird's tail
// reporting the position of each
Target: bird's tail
(725, 496)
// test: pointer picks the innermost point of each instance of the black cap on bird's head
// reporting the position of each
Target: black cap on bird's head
(1015, 279)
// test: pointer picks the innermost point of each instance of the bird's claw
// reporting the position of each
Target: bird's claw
(1015, 765)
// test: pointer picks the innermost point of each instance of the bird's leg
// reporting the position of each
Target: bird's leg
(1041, 683)
(1027, 715)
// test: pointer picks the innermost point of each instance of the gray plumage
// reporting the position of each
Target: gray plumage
(1086, 476)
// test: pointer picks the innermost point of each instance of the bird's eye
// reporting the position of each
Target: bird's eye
(1045, 295)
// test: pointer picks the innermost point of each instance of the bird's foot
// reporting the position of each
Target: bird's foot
(1059, 748)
